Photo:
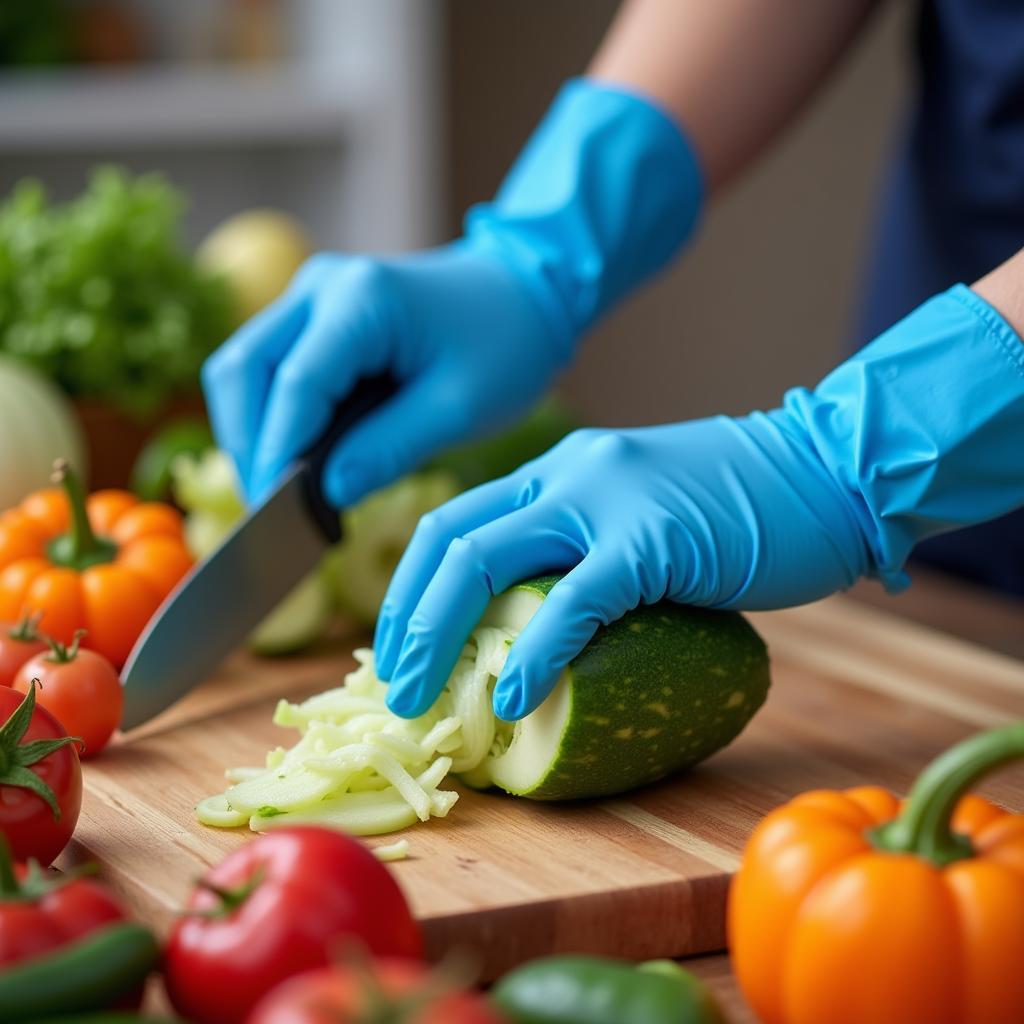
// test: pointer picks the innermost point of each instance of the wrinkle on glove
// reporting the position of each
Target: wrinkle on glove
(924, 427)
(474, 332)
(605, 194)
(923, 431)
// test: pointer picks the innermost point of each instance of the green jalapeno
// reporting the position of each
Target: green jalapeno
(593, 990)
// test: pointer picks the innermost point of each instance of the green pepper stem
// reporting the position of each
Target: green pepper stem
(79, 548)
(925, 825)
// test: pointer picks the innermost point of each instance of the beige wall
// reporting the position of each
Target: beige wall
(765, 297)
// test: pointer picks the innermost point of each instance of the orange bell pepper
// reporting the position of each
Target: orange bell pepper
(102, 563)
(852, 908)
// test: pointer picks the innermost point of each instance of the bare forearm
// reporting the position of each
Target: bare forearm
(732, 71)
(1004, 289)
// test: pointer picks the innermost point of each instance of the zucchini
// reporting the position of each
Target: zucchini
(151, 474)
(477, 462)
(95, 972)
(377, 530)
(374, 535)
(302, 617)
(654, 693)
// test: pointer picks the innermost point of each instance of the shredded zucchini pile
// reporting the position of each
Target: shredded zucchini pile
(359, 768)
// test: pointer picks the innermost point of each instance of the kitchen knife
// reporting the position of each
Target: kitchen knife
(218, 604)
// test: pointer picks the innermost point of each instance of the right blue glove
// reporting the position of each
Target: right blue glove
(605, 193)
(920, 432)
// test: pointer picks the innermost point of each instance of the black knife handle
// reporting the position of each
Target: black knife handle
(368, 393)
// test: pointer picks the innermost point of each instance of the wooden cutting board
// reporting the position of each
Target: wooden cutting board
(858, 696)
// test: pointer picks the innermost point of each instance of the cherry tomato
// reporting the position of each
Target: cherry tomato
(18, 643)
(41, 911)
(40, 785)
(283, 904)
(80, 688)
(389, 989)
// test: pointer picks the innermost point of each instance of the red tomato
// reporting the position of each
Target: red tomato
(18, 643)
(36, 820)
(80, 688)
(283, 904)
(382, 990)
(45, 911)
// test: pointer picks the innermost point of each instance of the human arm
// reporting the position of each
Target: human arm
(1003, 289)
(732, 73)
(604, 195)
(921, 432)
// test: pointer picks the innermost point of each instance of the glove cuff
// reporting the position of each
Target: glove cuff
(924, 428)
(605, 193)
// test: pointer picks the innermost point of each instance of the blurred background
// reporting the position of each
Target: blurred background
(372, 124)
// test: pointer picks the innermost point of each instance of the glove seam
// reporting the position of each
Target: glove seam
(1005, 338)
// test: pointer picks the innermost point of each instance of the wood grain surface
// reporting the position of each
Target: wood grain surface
(858, 696)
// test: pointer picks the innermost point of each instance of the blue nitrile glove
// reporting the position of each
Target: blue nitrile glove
(920, 432)
(604, 194)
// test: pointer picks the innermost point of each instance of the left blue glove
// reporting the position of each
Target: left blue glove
(921, 432)
(605, 193)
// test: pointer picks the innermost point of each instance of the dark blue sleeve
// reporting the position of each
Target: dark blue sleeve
(952, 208)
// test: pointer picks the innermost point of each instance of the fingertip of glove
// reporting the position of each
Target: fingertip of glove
(384, 654)
(256, 488)
(404, 700)
(345, 483)
(406, 691)
(509, 700)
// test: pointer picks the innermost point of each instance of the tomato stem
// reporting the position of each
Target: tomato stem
(16, 757)
(381, 1007)
(79, 548)
(60, 653)
(27, 630)
(229, 900)
(925, 825)
(37, 883)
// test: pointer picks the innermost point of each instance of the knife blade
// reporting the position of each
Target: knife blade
(215, 607)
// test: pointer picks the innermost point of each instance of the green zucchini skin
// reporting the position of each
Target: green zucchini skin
(91, 974)
(593, 990)
(654, 693)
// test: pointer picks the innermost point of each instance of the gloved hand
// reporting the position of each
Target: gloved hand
(604, 194)
(922, 431)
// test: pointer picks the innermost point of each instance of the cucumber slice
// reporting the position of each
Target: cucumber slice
(358, 814)
(392, 851)
(216, 811)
